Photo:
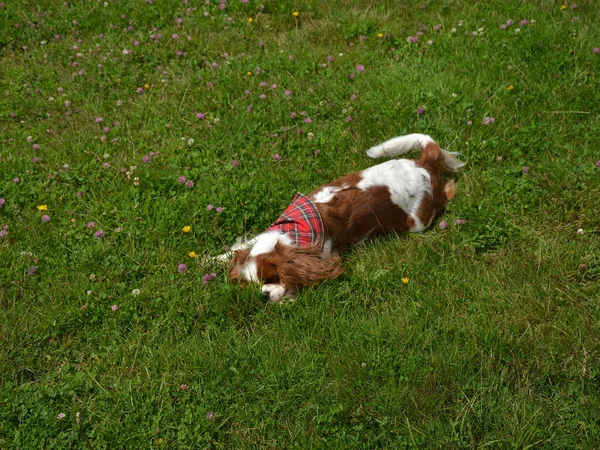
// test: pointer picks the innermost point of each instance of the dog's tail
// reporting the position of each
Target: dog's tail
(431, 150)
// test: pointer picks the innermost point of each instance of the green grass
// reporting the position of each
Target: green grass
(493, 343)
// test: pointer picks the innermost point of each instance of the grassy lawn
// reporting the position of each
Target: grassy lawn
(122, 122)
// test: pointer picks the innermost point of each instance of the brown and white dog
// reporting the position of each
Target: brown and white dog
(301, 247)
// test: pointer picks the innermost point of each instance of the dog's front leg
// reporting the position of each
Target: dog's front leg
(240, 245)
(275, 292)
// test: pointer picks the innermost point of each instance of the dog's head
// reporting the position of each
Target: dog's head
(283, 268)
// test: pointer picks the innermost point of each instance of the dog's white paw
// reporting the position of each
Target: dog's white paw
(275, 292)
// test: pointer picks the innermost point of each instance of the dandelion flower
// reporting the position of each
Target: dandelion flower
(192, 254)
(563, 7)
(186, 229)
(295, 13)
(249, 19)
(380, 35)
(511, 87)
(42, 208)
(405, 280)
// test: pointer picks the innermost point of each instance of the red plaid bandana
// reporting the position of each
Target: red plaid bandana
(301, 221)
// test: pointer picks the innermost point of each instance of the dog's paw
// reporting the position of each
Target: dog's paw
(275, 292)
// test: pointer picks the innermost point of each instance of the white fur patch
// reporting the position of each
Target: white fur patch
(265, 242)
(326, 194)
(400, 145)
(276, 292)
(249, 271)
(407, 183)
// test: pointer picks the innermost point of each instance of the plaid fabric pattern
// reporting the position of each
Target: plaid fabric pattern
(301, 221)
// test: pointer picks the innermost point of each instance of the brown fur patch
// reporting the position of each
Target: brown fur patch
(239, 258)
(432, 159)
(353, 214)
(301, 266)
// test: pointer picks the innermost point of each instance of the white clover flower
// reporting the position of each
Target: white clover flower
(135, 292)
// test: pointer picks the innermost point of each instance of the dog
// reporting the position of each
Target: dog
(302, 246)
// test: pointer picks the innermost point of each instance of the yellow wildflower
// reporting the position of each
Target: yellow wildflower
(380, 35)
(186, 229)
(146, 86)
(405, 280)
(42, 208)
(192, 254)
(511, 87)
(563, 7)
(295, 13)
(249, 73)
(249, 19)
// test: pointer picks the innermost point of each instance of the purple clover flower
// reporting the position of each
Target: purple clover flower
(277, 157)
(208, 277)
(443, 225)
(99, 234)
(420, 111)
(32, 271)
(189, 184)
(488, 120)
(182, 268)
(219, 209)
(181, 180)
(45, 218)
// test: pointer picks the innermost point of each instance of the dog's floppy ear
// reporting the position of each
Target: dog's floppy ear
(302, 266)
